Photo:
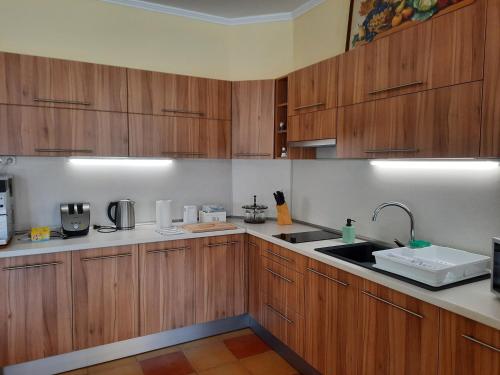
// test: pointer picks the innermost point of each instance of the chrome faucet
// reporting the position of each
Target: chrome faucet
(402, 206)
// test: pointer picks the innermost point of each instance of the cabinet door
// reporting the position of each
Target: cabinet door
(467, 347)
(313, 126)
(41, 81)
(457, 49)
(399, 334)
(220, 278)
(105, 295)
(167, 272)
(35, 307)
(330, 327)
(313, 88)
(177, 95)
(32, 131)
(254, 245)
(490, 134)
(253, 119)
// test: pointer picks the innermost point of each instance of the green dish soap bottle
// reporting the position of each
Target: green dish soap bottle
(349, 232)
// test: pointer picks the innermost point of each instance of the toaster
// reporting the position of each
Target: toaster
(495, 269)
(75, 219)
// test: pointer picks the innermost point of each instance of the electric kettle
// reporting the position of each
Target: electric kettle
(124, 215)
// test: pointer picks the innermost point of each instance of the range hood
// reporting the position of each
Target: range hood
(315, 144)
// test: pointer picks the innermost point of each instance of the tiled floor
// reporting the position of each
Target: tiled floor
(234, 353)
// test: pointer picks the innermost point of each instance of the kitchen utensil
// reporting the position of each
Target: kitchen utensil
(124, 214)
(163, 214)
(255, 214)
(190, 214)
(208, 227)
(6, 209)
(282, 210)
(75, 219)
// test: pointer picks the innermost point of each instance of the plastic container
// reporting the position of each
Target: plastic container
(433, 265)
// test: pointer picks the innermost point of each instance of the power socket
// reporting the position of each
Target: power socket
(7, 160)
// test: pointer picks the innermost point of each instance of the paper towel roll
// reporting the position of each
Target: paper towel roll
(163, 214)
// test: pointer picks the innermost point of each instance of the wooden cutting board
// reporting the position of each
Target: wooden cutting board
(208, 227)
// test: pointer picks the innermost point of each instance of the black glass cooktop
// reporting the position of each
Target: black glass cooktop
(318, 235)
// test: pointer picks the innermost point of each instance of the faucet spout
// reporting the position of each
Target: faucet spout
(404, 208)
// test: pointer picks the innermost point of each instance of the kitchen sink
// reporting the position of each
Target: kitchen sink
(361, 254)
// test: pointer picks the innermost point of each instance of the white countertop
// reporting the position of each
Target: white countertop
(474, 301)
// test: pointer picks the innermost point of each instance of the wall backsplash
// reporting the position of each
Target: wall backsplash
(455, 208)
(41, 184)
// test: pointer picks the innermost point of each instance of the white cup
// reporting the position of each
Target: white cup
(190, 214)
(163, 214)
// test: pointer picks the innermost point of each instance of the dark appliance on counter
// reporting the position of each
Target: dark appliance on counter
(317, 235)
(75, 219)
(6, 209)
(495, 267)
(123, 215)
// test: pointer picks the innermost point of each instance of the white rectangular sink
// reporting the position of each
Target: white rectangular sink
(433, 265)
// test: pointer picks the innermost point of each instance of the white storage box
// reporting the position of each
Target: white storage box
(433, 265)
(210, 217)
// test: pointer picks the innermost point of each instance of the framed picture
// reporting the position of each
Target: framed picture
(371, 18)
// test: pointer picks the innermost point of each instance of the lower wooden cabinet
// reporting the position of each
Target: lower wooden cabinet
(254, 246)
(221, 278)
(105, 296)
(467, 347)
(35, 307)
(167, 277)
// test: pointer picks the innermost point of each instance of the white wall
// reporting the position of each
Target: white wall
(41, 184)
(260, 177)
(460, 209)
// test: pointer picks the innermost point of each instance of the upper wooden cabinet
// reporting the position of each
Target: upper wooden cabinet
(436, 123)
(179, 137)
(105, 295)
(253, 119)
(313, 88)
(41, 81)
(467, 347)
(313, 126)
(444, 51)
(490, 135)
(35, 307)
(36, 131)
(176, 95)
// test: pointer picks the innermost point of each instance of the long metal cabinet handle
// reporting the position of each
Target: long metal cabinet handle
(252, 244)
(279, 256)
(404, 85)
(29, 266)
(249, 154)
(279, 276)
(86, 151)
(327, 277)
(223, 244)
(392, 304)
(279, 314)
(470, 338)
(107, 257)
(309, 106)
(61, 101)
(182, 111)
(385, 150)
(168, 250)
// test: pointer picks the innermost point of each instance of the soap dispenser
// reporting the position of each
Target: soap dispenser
(349, 232)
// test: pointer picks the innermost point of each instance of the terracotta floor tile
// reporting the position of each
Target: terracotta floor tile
(206, 357)
(229, 369)
(218, 338)
(267, 363)
(132, 369)
(98, 369)
(246, 346)
(157, 353)
(168, 364)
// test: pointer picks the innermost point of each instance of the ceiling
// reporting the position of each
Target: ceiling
(231, 12)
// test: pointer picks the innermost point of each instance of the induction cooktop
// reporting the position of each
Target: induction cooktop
(318, 235)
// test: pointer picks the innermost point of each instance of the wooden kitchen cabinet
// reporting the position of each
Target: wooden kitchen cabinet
(42, 81)
(253, 119)
(467, 347)
(313, 88)
(179, 137)
(254, 245)
(436, 123)
(157, 93)
(490, 134)
(283, 256)
(35, 307)
(313, 126)
(37, 131)
(221, 278)
(398, 334)
(167, 290)
(105, 296)
(331, 330)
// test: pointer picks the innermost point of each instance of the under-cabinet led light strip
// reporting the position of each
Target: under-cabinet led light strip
(120, 162)
(437, 164)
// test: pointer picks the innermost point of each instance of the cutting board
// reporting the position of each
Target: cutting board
(208, 227)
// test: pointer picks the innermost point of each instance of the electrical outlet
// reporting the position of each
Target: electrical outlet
(7, 160)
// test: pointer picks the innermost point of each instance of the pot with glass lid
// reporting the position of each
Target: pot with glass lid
(255, 213)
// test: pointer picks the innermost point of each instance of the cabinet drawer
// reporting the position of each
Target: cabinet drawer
(313, 126)
(285, 257)
(282, 285)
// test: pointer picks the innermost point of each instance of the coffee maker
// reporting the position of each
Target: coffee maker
(6, 209)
